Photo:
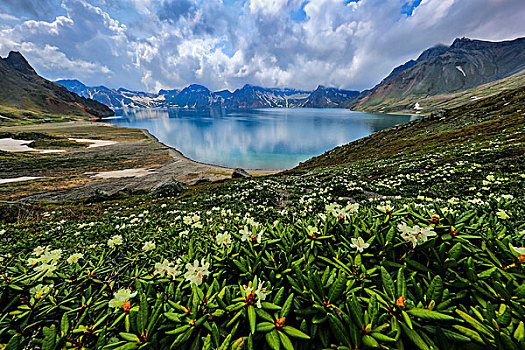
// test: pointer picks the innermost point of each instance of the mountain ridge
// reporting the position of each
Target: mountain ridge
(199, 96)
(441, 70)
(26, 95)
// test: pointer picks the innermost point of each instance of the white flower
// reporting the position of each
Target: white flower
(115, 240)
(195, 273)
(148, 246)
(47, 268)
(223, 238)
(73, 258)
(415, 234)
(245, 234)
(387, 208)
(312, 230)
(359, 243)
(424, 233)
(520, 251)
(38, 291)
(40, 250)
(166, 267)
(120, 297)
(502, 214)
(260, 293)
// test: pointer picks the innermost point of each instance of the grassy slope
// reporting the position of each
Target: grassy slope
(497, 118)
(432, 103)
(463, 288)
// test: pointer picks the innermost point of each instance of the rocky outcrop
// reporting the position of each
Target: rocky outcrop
(168, 188)
(240, 173)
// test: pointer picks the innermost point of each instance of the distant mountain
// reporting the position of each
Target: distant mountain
(250, 96)
(198, 96)
(24, 93)
(114, 98)
(324, 97)
(443, 70)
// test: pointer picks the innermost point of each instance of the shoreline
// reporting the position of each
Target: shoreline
(181, 155)
(133, 148)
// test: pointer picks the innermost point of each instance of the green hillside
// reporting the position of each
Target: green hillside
(408, 239)
(429, 104)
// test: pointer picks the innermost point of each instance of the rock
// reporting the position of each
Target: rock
(168, 188)
(435, 115)
(202, 180)
(97, 196)
(240, 173)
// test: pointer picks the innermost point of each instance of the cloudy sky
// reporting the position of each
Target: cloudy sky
(153, 44)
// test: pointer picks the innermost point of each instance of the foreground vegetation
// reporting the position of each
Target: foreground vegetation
(414, 244)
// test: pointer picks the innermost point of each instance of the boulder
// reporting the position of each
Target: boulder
(98, 195)
(168, 188)
(202, 180)
(240, 173)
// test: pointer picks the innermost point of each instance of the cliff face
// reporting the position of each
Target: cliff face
(21, 88)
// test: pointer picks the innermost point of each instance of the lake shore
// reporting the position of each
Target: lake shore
(78, 173)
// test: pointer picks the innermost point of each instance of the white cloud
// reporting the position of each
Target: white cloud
(146, 44)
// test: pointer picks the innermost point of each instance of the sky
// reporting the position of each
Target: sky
(149, 45)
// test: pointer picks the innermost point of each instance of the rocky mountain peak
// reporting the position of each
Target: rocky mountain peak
(18, 62)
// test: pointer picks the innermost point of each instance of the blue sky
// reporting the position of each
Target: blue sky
(154, 44)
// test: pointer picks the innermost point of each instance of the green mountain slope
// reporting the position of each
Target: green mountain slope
(24, 95)
(414, 240)
(486, 119)
(441, 71)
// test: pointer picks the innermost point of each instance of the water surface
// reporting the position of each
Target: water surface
(267, 138)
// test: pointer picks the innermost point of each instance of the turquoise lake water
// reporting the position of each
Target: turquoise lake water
(267, 138)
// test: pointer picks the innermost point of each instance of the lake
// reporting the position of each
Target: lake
(266, 138)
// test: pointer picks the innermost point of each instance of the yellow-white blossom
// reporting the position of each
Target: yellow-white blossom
(73, 258)
(359, 243)
(149, 245)
(120, 297)
(38, 291)
(115, 240)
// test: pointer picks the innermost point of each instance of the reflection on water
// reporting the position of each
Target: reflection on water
(270, 138)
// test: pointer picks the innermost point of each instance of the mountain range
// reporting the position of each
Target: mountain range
(25, 95)
(440, 77)
(418, 86)
(198, 96)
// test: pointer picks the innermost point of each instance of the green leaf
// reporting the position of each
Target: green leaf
(381, 337)
(49, 338)
(338, 329)
(287, 344)
(414, 337)
(425, 314)
(388, 284)
(370, 342)
(265, 327)
(64, 324)
(143, 314)
(338, 288)
(129, 337)
(294, 332)
(270, 306)
(401, 285)
(273, 340)
(251, 318)
(287, 306)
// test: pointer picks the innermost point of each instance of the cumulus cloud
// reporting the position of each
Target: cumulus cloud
(148, 45)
